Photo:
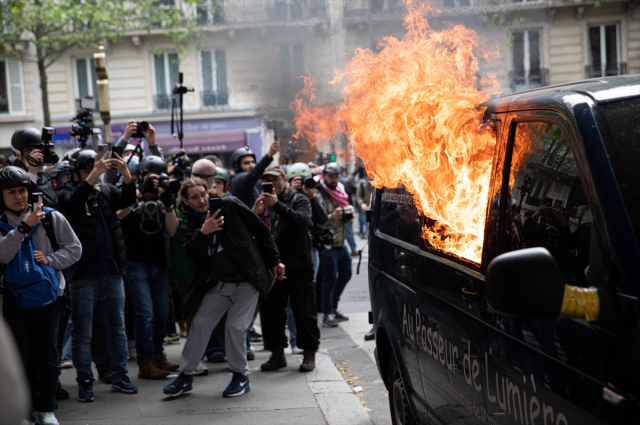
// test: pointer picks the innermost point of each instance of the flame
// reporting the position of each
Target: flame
(411, 114)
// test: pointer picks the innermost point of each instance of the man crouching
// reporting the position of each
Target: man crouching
(233, 251)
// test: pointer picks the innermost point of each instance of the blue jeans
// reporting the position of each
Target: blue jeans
(85, 295)
(66, 355)
(149, 286)
(348, 227)
(336, 272)
(291, 324)
(315, 256)
(362, 220)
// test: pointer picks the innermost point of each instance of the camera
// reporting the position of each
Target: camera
(50, 157)
(169, 185)
(142, 126)
(182, 168)
(308, 182)
(83, 125)
(347, 214)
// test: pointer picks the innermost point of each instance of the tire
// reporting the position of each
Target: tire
(398, 401)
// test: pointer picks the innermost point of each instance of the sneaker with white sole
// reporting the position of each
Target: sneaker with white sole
(341, 317)
(239, 385)
(329, 321)
(66, 365)
(182, 384)
(48, 418)
(296, 350)
(202, 370)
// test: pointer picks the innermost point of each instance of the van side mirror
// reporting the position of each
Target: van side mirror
(526, 283)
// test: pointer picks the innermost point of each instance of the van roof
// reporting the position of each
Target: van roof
(598, 90)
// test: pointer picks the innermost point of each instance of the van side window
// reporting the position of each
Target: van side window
(546, 205)
(398, 216)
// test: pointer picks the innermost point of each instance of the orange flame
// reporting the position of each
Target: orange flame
(411, 114)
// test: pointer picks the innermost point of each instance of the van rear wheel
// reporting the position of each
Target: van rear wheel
(398, 400)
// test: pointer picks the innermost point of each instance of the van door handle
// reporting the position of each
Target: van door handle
(612, 397)
(469, 295)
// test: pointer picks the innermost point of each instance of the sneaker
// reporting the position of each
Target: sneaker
(124, 385)
(182, 384)
(217, 358)
(172, 339)
(239, 385)
(341, 317)
(250, 354)
(85, 391)
(131, 346)
(66, 365)
(183, 334)
(254, 337)
(329, 321)
(201, 370)
(296, 350)
(48, 418)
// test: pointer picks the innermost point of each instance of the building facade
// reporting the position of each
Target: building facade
(246, 77)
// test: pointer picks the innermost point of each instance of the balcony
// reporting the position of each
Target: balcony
(295, 10)
(162, 102)
(212, 98)
(606, 70)
(521, 80)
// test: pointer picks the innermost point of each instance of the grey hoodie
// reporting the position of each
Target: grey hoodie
(69, 251)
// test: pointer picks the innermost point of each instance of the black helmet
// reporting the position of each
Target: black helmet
(152, 164)
(60, 168)
(85, 160)
(26, 138)
(238, 154)
(70, 154)
(11, 176)
(331, 168)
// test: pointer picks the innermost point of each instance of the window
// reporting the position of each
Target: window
(210, 12)
(11, 87)
(213, 71)
(291, 67)
(398, 216)
(604, 51)
(380, 6)
(547, 206)
(526, 72)
(166, 69)
(86, 80)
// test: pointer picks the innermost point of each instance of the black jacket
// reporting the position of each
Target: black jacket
(44, 186)
(245, 238)
(243, 185)
(292, 234)
(111, 199)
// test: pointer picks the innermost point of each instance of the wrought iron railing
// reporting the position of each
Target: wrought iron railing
(214, 98)
(162, 102)
(520, 80)
(606, 70)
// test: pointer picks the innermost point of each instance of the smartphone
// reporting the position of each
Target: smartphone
(547, 202)
(557, 204)
(102, 149)
(37, 200)
(116, 149)
(215, 204)
(267, 187)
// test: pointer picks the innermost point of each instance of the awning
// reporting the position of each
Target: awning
(204, 143)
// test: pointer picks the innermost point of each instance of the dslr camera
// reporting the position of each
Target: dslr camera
(142, 126)
(50, 157)
(83, 122)
(347, 214)
(169, 185)
(309, 182)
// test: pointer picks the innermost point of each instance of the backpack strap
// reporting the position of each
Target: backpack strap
(47, 223)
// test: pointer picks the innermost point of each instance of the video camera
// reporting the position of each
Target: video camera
(182, 168)
(83, 121)
(169, 185)
(50, 157)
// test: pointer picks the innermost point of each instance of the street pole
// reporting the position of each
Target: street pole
(103, 92)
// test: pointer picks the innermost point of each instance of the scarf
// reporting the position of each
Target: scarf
(338, 195)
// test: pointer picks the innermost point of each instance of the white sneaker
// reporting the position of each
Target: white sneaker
(296, 350)
(201, 370)
(66, 365)
(131, 346)
(48, 418)
(183, 334)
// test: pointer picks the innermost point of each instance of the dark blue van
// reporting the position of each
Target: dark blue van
(466, 343)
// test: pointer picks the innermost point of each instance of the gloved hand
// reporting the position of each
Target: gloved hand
(169, 200)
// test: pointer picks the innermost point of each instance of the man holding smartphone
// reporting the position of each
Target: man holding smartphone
(131, 131)
(235, 260)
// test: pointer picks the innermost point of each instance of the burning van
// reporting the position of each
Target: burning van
(538, 323)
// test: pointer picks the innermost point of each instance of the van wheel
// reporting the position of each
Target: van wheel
(398, 400)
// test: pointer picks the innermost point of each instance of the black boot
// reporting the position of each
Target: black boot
(370, 336)
(277, 361)
(309, 361)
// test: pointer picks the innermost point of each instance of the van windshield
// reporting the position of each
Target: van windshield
(619, 124)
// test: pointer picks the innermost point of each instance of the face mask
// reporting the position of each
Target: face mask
(133, 164)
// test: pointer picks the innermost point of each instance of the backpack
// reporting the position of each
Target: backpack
(33, 285)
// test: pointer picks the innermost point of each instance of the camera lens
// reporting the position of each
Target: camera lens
(309, 182)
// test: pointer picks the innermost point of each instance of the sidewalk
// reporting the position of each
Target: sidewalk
(282, 397)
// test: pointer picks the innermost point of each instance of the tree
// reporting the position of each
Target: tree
(56, 26)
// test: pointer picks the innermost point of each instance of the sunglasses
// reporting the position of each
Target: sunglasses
(203, 176)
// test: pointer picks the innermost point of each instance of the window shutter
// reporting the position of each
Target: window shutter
(221, 70)
(16, 87)
(207, 71)
(83, 78)
(161, 84)
(174, 70)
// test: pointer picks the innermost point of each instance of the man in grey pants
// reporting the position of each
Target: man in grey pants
(235, 259)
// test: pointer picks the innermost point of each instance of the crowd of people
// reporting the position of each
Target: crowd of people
(110, 257)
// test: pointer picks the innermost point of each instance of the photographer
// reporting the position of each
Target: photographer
(143, 225)
(32, 309)
(287, 214)
(96, 279)
(236, 259)
(248, 174)
(335, 263)
(131, 131)
(27, 144)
